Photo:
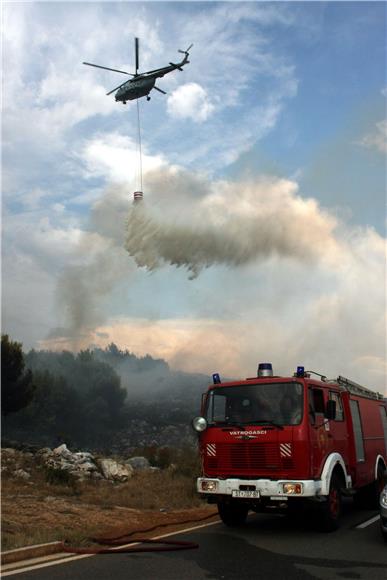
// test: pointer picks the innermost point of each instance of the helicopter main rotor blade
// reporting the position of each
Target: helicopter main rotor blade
(107, 68)
(116, 89)
(136, 42)
(160, 91)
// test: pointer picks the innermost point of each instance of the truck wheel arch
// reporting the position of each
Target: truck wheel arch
(380, 462)
(334, 463)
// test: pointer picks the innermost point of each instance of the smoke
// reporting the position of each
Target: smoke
(189, 222)
(233, 224)
(100, 263)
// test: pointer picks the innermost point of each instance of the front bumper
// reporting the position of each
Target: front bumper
(265, 487)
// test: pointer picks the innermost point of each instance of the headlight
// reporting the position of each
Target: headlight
(383, 498)
(292, 488)
(209, 485)
(199, 424)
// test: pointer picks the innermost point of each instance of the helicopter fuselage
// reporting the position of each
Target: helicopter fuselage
(135, 88)
(142, 84)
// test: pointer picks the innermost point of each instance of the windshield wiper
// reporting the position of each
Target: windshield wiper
(266, 422)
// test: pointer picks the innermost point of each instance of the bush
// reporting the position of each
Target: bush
(56, 476)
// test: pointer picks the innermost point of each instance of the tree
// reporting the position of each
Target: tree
(17, 384)
(56, 408)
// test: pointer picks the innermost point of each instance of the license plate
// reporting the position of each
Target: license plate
(243, 493)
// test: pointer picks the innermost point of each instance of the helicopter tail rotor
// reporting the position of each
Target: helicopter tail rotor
(186, 51)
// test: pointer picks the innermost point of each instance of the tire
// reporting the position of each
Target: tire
(330, 513)
(232, 513)
(368, 496)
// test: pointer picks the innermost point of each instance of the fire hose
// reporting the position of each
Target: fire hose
(119, 544)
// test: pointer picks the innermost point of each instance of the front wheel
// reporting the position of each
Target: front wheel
(232, 513)
(331, 510)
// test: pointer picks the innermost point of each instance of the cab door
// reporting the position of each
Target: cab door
(338, 427)
(319, 445)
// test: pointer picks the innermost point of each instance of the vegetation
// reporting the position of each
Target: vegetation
(17, 388)
(89, 399)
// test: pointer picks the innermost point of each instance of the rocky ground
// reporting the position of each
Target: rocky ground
(40, 505)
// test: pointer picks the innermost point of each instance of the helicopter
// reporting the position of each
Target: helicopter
(142, 84)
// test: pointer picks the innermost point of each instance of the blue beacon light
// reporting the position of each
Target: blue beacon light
(300, 371)
(216, 379)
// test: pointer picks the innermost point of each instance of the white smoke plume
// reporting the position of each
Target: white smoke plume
(232, 224)
(192, 223)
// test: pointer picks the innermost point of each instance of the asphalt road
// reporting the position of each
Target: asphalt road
(267, 547)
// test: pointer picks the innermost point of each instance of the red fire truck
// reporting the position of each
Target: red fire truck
(303, 441)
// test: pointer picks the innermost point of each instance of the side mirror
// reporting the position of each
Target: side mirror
(330, 411)
(204, 395)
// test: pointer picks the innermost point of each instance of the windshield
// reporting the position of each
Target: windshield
(272, 403)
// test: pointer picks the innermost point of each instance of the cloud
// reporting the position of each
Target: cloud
(377, 140)
(190, 101)
(36, 234)
(115, 157)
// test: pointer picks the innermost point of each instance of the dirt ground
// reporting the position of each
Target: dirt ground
(28, 519)
(35, 510)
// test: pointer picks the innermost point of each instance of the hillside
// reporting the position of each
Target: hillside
(125, 401)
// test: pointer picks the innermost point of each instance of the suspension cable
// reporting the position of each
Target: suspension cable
(139, 142)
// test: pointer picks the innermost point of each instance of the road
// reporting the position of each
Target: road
(267, 547)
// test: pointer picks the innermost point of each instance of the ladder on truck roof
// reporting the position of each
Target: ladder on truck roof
(357, 389)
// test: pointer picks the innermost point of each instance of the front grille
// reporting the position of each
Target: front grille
(245, 457)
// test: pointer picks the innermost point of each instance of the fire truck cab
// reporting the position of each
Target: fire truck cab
(290, 443)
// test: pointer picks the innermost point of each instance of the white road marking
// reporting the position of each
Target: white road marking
(368, 522)
(65, 559)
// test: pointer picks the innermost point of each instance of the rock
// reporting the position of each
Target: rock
(63, 451)
(83, 456)
(8, 451)
(44, 452)
(80, 465)
(21, 474)
(115, 471)
(138, 462)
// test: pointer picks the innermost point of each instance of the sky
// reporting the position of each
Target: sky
(261, 236)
